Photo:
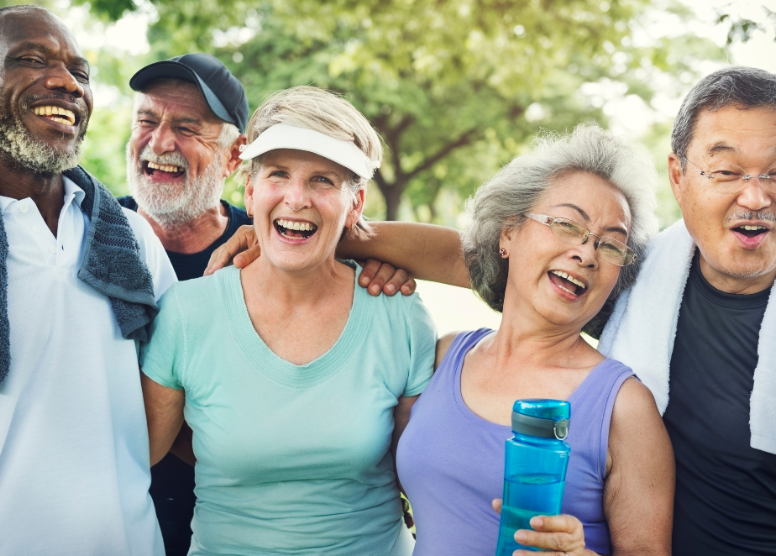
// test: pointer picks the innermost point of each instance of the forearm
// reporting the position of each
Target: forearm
(164, 416)
(426, 251)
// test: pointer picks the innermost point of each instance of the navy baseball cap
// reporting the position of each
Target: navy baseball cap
(223, 93)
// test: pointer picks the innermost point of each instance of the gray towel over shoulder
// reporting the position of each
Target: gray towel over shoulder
(111, 265)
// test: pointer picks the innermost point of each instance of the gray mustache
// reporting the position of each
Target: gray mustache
(175, 158)
(762, 216)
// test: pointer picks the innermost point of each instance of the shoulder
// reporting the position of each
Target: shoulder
(151, 252)
(128, 202)
(443, 345)
(238, 216)
(634, 408)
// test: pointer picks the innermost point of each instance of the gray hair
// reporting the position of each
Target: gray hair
(229, 134)
(515, 190)
(738, 86)
(321, 111)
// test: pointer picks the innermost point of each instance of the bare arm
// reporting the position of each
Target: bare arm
(639, 490)
(164, 414)
(426, 251)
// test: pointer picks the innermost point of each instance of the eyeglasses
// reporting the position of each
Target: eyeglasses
(733, 179)
(612, 250)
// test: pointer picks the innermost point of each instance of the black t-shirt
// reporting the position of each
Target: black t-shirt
(193, 265)
(172, 480)
(725, 490)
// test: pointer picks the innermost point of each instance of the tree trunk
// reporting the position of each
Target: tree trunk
(392, 195)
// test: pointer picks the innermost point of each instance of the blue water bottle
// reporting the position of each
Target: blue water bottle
(534, 468)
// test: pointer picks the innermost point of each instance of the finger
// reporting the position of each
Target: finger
(395, 282)
(247, 257)
(562, 523)
(551, 541)
(545, 553)
(496, 503)
(218, 260)
(409, 287)
(382, 277)
(369, 271)
(243, 238)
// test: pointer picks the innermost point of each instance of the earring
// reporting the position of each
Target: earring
(503, 253)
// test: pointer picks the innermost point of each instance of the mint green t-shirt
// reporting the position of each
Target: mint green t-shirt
(291, 459)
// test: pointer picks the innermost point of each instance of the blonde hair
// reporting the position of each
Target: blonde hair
(321, 111)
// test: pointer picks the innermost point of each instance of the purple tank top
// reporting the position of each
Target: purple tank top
(451, 462)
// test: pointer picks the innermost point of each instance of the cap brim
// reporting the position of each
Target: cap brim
(172, 69)
(286, 136)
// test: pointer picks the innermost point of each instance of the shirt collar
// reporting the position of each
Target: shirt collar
(72, 193)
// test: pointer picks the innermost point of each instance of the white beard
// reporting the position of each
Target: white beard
(23, 151)
(174, 205)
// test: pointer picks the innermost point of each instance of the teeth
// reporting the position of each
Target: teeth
(69, 116)
(569, 278)
(753, 227)
(298, 226)
(164, 167)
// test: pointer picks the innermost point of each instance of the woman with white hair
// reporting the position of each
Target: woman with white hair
(296, 383)
(555, 237)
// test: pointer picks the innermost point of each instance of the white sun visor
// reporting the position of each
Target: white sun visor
(286, 136)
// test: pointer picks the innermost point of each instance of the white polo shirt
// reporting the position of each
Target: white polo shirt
(74, 463)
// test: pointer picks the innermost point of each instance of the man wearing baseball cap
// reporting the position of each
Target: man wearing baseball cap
(188, 125)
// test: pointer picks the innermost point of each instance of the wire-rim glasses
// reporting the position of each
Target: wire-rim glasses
(731, 178)
(611, 250)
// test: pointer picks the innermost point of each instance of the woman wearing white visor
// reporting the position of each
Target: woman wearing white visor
(296, 383)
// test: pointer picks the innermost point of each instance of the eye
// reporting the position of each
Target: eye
(725, 174)
(278, 174)
(186, 131)
(32, 60)
(80, 75)
(322, 180)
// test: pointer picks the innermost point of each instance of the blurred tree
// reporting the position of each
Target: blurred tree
(455, 88)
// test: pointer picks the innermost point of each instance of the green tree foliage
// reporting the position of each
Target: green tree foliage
(455, 88)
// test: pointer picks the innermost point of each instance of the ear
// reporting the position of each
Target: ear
(357, 209)
(507, 235)
(248, 196)
(676, 176)
(234, 155)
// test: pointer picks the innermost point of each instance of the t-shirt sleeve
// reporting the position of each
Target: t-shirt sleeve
(423, 338)
(153, 253)
(163, 357)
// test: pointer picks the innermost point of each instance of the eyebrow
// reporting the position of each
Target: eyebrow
(721, 147)
(584, 215)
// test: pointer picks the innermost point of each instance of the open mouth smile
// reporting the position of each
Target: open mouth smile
(292, 229)
(567, 283)
(750, 235)
(162, 170)
(56, 114)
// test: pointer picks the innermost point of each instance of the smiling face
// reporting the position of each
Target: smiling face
(45, 99)
(176, 166)
(301, 202)
(734, 232)
(562, 283)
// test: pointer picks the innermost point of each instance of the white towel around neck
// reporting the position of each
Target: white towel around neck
(642, 330)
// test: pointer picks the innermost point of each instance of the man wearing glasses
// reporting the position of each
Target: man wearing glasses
(698, 327)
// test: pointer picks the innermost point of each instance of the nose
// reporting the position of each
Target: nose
(162, 139)
(60, 79)
(297, 195)
(757, 195)
(586, 253)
